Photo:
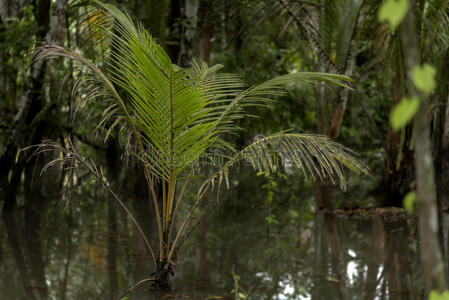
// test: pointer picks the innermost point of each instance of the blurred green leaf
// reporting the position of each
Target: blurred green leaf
(424, 78)
(409, 202)
(393, 12)
(404, 112)
(271, 219)
(435, 295)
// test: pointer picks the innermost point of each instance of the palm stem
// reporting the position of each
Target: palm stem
(178, 202)
(164, 203)
(170, 203)
(170, 171)
(184, 223)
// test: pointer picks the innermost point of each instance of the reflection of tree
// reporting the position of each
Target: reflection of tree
(25, 231)
(330, 230)
(377, 244)
(34, 209)
(398, 260)
(321, 259)
(13, 232)
(377, 252)
(141, 264)
(68, 247)
(337, 258)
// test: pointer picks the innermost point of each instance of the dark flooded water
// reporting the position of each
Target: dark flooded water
(241, 251)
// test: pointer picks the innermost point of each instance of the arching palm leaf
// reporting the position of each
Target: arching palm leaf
(315, 156)
(230, 99)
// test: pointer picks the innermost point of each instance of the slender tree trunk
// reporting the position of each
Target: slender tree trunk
(153, 15)
(340, 110)
(398, 171)
(191, 18)
(175, 31)
(205, 32)
(442, 176)
(431, 258)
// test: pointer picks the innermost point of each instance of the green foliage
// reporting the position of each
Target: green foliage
(435, 295)
(272, 188)
(174, 116)
(424, 78)
(409, 202)
(404, 112)
(15, 33)
(393, 12)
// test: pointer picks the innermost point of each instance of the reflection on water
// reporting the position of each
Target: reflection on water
(234, 254)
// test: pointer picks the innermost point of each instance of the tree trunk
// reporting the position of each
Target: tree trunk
(340, 110)
(431, 258)
(398, 172)
(191, 18)
(175, 31)
(205, 32)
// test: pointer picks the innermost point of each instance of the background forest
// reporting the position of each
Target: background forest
(271, 235)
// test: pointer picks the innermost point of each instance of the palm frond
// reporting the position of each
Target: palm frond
(263, 93)
(165, 101)
(92, 83)
(316, 156)
(230, 99)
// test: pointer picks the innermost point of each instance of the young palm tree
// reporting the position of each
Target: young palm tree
(176, 116)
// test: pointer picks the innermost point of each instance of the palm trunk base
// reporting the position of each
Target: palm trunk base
(162, 276)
